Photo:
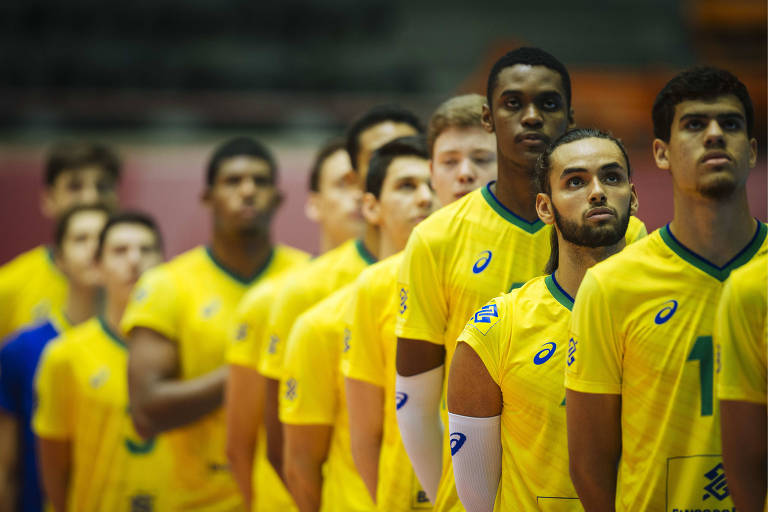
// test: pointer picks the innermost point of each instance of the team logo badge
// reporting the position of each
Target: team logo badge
(485, 318)
(666, 312)
(717, 486)
(482, 262)
(211, 308)
(140, 294)
(457, 441)
(400, 399)
(543, 355)
(99, 378)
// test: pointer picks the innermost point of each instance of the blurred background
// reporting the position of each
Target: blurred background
(167, 80)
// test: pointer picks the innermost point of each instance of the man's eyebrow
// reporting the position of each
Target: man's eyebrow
(724, 115)
(551, 92)
(572, 170)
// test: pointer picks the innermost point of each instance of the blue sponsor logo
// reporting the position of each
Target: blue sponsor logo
(543, 355)
(717, 486)
(482, 262)
(403, 300)
(457, 441)
(572, 351)
(400, 399)
(486, 314)
(666, 312)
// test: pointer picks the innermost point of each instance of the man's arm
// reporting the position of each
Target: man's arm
(744, 452)
(244, 405)
(9, 461)
(365, 403)
(159, 400)
(272, 425)
(306, 448)
(55, 469)
(594, 447)
(474, 401)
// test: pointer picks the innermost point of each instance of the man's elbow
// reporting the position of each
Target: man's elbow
(143, 421)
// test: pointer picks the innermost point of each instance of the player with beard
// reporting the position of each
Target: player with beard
(179, 319)
(643, 422)
(485, 244)
(505, 392)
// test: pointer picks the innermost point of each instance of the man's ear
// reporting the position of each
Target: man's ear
(544, 208)
(661, 154)
(487, 119)
(312, 207)
(47, 204)
(205, 196)
(752, 153)
(634, 204)
(277, 200)
(571, 119)
(371, 209)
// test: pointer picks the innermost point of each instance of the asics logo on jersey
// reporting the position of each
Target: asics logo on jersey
(400, 399)
(140, 295)
(572, 351)
(666, 312)
(482, 262)
(717, 486)
(211, 308)
(98, 379)
(290, 389)
(486, 314)
(403, 300)
(543, 355)
(457, 441)
(347, 336)
(273, 341)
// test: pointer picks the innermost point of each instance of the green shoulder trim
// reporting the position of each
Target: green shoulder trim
(558, 293)
(110, 333)
(363, 252)
(719, 273)
(509, 215)
(240, 279)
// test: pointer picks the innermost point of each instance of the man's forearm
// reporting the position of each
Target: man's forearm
(595, 484)
(173, 403)
(304, 479)
(55, 467)
(272, 426)
(9, 467)
(366, 447)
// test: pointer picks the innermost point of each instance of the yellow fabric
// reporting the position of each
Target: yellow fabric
(642, 327)
(740, 334)
(456, 260)
(83, 398)
(371, 359)
(522, 338)
(191, 300)
(269, 492)
(31, 288)
(312, 392)
(305, 288)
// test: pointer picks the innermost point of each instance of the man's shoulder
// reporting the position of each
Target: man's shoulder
(36, 258)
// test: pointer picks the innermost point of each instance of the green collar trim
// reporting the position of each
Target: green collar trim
(110, 333)
(509, 215)
(363, 252)
(719, 273)
(558, 293)
(240, 279)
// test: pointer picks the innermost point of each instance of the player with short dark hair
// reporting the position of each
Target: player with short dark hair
(179, 318)
(643, 422)
(505, 391)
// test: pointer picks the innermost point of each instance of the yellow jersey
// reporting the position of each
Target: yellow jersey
(318, 279)
(458, 259)
(31, 289)
(191, 300)
(371, 358)
(522, 339)
(269, 492)
(82, 393)
(741, 339)
(642, 328)
(312, 393)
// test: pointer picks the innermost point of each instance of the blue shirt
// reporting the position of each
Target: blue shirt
(18, 362)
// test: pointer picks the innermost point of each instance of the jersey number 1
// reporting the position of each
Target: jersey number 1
(703, 353)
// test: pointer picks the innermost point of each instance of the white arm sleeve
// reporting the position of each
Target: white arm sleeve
(476, 454)
(418, 416)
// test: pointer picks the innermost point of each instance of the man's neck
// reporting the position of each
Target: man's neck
(715, 230)
(242, 255)
(515, 189)
(114, 308)
(81, 303)
(372, 241)
(390, 245)
(574, 260)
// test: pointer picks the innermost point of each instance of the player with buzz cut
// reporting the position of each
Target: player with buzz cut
(319, 468)
(643, 419)
(32, 286)
(91, 458)
(741, 345)
(463, 158)
(330, 271)
(487, 243)
(506, 392)
(334, 203)
(179, 321)
(75, 241)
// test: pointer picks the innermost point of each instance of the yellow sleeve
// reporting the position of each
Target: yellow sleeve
(595, 353)
(55, 388)
(485, 334)
(12, 277)
(248, 331)
(308, 393)
(281, 319)
(635, 230)
(422, 311)
(154, 304)
(364, 360)
(741, 358)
